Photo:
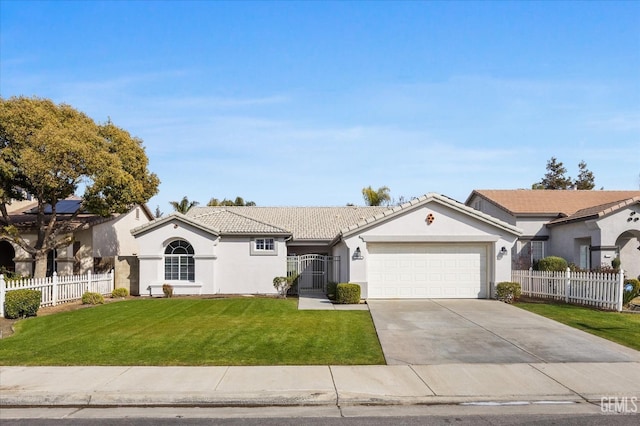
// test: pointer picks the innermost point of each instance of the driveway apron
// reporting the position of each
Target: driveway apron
(449, 331)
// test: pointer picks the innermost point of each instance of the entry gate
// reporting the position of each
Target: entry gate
(314, 271)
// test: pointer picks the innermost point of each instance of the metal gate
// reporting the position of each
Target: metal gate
(314, 271)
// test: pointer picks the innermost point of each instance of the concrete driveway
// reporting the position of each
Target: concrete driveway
(447, 331)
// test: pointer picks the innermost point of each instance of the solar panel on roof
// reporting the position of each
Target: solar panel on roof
(62, 207)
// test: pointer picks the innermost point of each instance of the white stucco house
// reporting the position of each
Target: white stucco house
(99, 243)
(587, 228)
(430, 247)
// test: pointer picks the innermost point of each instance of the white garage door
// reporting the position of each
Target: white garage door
(397, 270)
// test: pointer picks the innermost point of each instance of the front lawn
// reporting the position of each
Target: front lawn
(623, 328)
(237, 331)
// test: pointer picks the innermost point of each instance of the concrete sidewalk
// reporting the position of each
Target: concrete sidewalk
(317, 385)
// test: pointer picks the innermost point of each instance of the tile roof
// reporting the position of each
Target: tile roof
(304, 223)
(596, 211)
(168, 218)
(231, 222)
(314, 223)
(552, 202)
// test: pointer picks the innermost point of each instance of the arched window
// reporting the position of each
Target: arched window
(178, 261)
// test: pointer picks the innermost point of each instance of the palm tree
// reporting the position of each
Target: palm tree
(377, 197)
(184, 205)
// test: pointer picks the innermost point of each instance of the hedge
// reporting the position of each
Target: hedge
(508, 291)
(347, 293)
(22, 303)
(91, 298)
(119, 292)
(633, 285)
(552, 263)
(331, 290)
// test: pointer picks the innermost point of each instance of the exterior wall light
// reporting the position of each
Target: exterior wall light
(357, 255)
(503, 250)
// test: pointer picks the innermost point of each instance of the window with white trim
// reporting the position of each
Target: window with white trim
(264, 247)
(179, 264)
(264, 244)
(530, 252)
(537, 250)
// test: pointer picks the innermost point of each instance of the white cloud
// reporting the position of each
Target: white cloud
(617, 123)
(322, 148)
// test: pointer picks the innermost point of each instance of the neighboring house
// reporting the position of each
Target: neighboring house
(430, 247)
(99, 243)
(587, 228)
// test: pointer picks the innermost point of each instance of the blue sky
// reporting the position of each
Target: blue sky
(306, 103)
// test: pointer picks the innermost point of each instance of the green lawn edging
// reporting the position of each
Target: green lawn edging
(619, 327)
(233, 331)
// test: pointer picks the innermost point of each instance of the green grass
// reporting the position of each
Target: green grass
(623, 328)
(238, 331)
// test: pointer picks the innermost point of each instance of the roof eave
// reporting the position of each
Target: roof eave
(420, 201)
(254, 234)
(597, 215)
(310, 241)
(567, 220)
(490, 200)
(166, 219)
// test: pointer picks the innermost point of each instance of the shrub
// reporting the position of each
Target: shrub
(348, 293)
(292, 279)
(167, 289)
(631, 290)
(508, 292)
(552, 263)
(331, 290)
(605, 270)
(22, 303)
(282, 285)
(119, 292)
(91, 298)
(9, 275)
(615, 263)
(575, 268)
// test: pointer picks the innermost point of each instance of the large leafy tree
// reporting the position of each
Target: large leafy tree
(376, 197)
(184, 205)
(48, 150)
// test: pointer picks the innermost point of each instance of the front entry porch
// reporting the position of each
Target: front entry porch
(314, 272)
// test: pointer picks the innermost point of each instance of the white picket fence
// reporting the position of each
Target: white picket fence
(603, 291)
(59, 288)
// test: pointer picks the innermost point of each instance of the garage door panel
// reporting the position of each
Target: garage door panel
(450, 277)
(426, 271)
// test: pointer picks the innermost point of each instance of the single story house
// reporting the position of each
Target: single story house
(99, 243)
(430, 247)
(587, 228)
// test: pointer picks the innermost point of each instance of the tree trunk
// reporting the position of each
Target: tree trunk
(40, 270)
